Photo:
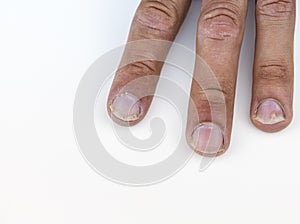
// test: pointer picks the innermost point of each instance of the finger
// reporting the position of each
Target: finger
(219, 39)
(154, 19)
(272, 96)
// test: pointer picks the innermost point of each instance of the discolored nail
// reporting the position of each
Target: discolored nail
(126, 107)
(269, 111)
(207, 139)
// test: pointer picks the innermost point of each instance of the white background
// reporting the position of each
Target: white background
(45, 48)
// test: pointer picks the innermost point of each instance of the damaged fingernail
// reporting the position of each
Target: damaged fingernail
(269, 112)
(126, 107)
(207, 139)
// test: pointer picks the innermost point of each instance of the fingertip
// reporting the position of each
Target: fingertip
(270, 115)
(207, 139)
(125, 109)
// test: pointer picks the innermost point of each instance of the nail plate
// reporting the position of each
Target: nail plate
(207, 139)
(126, 107)
(269, 112)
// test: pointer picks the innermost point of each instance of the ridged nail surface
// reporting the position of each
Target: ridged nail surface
(269, 112)
(207, 139)
(126, 107)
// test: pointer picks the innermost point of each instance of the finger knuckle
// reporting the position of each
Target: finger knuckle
(216, 97)
(140, 68)
(220, 20)
(273, 72)
(157, 15)
(275, 9)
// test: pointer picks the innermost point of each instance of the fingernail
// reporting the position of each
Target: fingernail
(207, 139)
(270, 112)
(126, 107)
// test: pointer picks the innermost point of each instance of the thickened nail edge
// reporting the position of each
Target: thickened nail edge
(126, 107)
(269, 112)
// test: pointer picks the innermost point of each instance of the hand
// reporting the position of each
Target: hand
(219, 38)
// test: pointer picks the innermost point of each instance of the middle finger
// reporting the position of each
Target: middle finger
(219, 38)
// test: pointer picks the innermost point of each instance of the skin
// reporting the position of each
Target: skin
(219, 38)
